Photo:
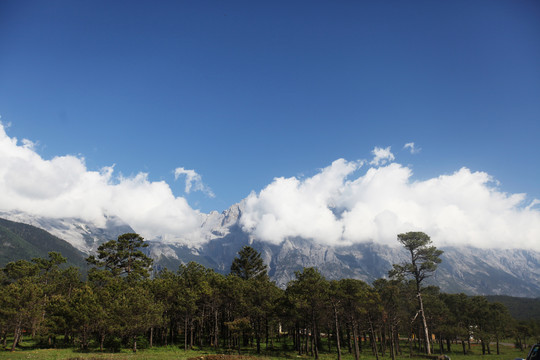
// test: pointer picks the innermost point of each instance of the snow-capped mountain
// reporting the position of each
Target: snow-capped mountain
(83, 235)
(470, 270)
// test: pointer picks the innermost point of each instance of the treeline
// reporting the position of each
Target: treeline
(120, 305)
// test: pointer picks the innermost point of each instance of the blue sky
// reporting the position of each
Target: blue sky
(242, 92)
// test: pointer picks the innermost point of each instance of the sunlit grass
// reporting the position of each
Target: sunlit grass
(27, 351)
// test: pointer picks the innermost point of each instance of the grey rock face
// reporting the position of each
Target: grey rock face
(470, 270)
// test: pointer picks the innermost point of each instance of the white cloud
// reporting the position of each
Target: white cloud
(412, 148)
(464, 208)
(193, 181)
(64, 187)
(381, 156)
(343, 203)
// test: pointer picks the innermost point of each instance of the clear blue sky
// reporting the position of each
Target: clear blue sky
(245, 91)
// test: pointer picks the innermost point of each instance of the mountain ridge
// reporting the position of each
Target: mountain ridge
(470, 270)
(19, 241)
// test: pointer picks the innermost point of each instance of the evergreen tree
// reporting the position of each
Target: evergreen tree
(249, 264)
(123, 256)
(423, 262)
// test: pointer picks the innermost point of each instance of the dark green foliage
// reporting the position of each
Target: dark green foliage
(249, 264)
(22, 241)
(123, 256)
(519, 308)
(423, 258)
(197, 308)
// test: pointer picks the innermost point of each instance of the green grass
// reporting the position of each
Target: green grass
(28, 351)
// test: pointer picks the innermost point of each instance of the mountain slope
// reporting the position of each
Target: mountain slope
(83, 235)
(519, 308)
(22, 241)
(466, 269)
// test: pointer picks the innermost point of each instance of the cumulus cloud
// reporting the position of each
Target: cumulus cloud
(193, 181)
(64, 187)
(347, 202)
(335, 207)
(412, 148)
(381, 156)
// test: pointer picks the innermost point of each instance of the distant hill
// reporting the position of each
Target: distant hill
(22, 241)
(519, 308)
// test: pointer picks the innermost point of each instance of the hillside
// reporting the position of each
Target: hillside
(22, 241)
(519, 308)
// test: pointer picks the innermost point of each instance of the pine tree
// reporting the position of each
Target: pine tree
(423, 262)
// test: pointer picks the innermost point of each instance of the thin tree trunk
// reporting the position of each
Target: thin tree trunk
(258, 336)
(373, 340)
(355, 340)
(191, 334)
(483, 347)
(101, 341)
(424, 323)
(338, 345)
(216, 329)
(186, 333)
(382, 337)
(392, 342)
(349, 340)
(16, 336)
(316, 339)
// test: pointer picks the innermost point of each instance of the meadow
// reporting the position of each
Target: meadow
(28, 350)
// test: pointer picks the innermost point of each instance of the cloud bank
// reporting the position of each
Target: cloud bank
(64, 187)
(337, 208)
(344, 203)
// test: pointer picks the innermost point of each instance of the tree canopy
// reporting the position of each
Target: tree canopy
(123, 256)
(249, 264)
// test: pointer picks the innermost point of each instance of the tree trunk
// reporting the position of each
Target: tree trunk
(16, 336)
(392, 342)
(134, 343)
(373, 340)
(101, 341)
(338, 345)
(216, 329)
(483, 347)
(355, 340)
(424, 323)
(191, 335)
(316, 340)
(382, 338)
(186, 333)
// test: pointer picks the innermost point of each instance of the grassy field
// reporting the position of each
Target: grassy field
(27, 351)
